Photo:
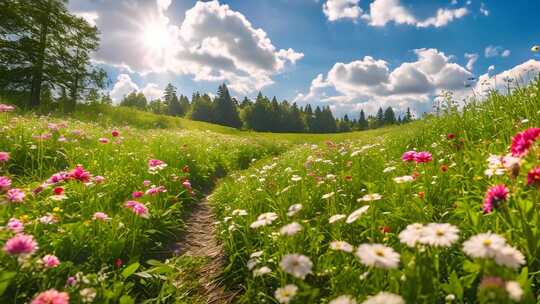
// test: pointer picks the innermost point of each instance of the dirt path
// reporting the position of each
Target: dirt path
(200, 241)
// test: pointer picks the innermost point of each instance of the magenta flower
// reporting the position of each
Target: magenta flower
(103, 140)
(80, 174)
(5, 183)
(408, 156)
(187, 185)
(58, 177)
(137, 194)
(50, 261)
(4, 108)
(155, 190)
(21, 244)
(15, 225)
(137, 208)
(51, 296)
(494, 197)
(533, 177)
(71, 281)
(4, 157)
(156, 165)
(147, 183)
(422, 157)
(98, 179)
(15, 195)
(521, 142)
(100, 216)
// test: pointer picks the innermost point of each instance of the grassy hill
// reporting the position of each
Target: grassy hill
(92, 203)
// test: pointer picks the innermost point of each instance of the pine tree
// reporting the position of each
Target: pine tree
(408, 116)
(380, 117)
(201, 108)
(134, 100)
(225, 112)
(389, 116)
(362, 121)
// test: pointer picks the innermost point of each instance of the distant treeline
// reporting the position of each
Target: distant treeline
(262, 114)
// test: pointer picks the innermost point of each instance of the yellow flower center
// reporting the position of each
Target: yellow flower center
(440, 232)
(487, 242)
(379, 252)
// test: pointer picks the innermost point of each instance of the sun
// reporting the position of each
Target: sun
(155, 36)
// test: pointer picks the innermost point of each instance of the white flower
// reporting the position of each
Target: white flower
(439, 235)
(344, 299)
(256, 254)
(328, 195)
(384, 298)
(341, 246)
(251, 263)
(286, 294)
(378, 255)
(239, 212)
(483, 245)
(336, 217)
(296, 178)
(261, 271)
(389, 169)
(412, 234)
(290, 229)
(510, 257)
(296, 265)
(514, 290)
(370, 197)
(403, 179)
(450, 298)
(264, 219)
(356, 214)
(293, 209)
(88, 295)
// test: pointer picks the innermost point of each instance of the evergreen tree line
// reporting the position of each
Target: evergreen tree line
(262, 114)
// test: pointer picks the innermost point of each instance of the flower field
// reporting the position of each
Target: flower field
(446, 210)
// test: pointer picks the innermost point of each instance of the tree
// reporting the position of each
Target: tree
(42, 45)
(225, 112)
(362, 121)
(184, 105)
(174, 108)
(134, 100)
(408, 116)
(201, 108)
(169, 94)
(380, 117)
(389, 116)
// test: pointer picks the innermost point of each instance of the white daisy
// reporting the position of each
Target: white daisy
(261, 271)
(378, 255)
(341, 246)
(296, 265)
(344, 299)
(412, 234)
(286, 294)
(336, 217)
(510, 257)
(515, 292)
(328, 195)
(264, 219)
(483, 245)
(389, 169)
(403, 179)
(293, 209)
(239, 212)
(296, 178)
(370, 197)
(290, 229)
(356, 214)
(384, 298)
(439, 235)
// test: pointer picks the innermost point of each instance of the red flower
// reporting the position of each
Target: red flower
(444, 168)
(58, 190)
(533, 177)
(521, 142)
(421, 195)
(450, 136)
(115, 133)
(386, 229)
(118, 263)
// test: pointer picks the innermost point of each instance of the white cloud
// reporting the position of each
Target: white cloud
(518, 76)
(471, 60)
(385, 11)
(152, 91)
(123, 86)
(214, 42)
(483, 9)
(342, 9)
(496, 51)
(90, 17)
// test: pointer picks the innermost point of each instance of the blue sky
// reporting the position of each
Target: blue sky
(404, 40)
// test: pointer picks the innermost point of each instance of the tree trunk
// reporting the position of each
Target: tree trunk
(37, 74)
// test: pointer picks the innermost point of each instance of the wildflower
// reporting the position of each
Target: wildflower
(483, 245)
(389, 169)
(71, 281)
(494, 197)
(356, 214)
(439, 235)
(5, 183)
(185, 169)
(491, 287)
(533, 177)
(103, 140)
(261, 271)
(515, 292)
(21, 244)
(49, 218)
(137, 208)
(88, 295)
(137, 194)
(187, 185)
(422, 157)
(385, 229)
(15, 225)
(118, 263)
(4, 108)
(370, 197)
(444, 168)
(408, 156)
(378, 255)
(147, 183)
(450, 136)
(510, 257)
(290, 229)
(58, 190)
(336, 217)
(450, 297)
(98, 179)
(344, 299)
(58, 177)
(115, 133)
(296, 178)
(4, 157)
(155, 190)
(293, 209)
(286, 294)
(296, 265)
(341, 246)
(15, 195)
(155, 165)
(403, 179)
(50, 261)
(264, 219)
(328, 195)
(384, 298)
(522, 141)
(51, 296)
(239, 212)
(100, 216)
(80, 174)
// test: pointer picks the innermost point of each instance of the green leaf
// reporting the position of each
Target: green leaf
(125, 299)
(5, 279)
(129, 270)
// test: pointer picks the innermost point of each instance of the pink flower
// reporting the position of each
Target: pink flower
(408, 156)
(103, 140)
(21, 244)
(4, 157)
(5, 183)
(71, 281)
(80, 174)
(100, 216)
(156, 165)
(495, 196)
(115, 133)
(15, 225)
(187, 185)
(521, 142)
(155, 190)
(98, 179)
(4, 108)
(137, 194)
(50, 261)
(533, 177)
(58, 177)
(137, 208)
(15, 195)
(422, 157)
(146, 183)
(51, 296)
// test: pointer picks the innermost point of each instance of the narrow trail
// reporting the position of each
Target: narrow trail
(199, 240)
